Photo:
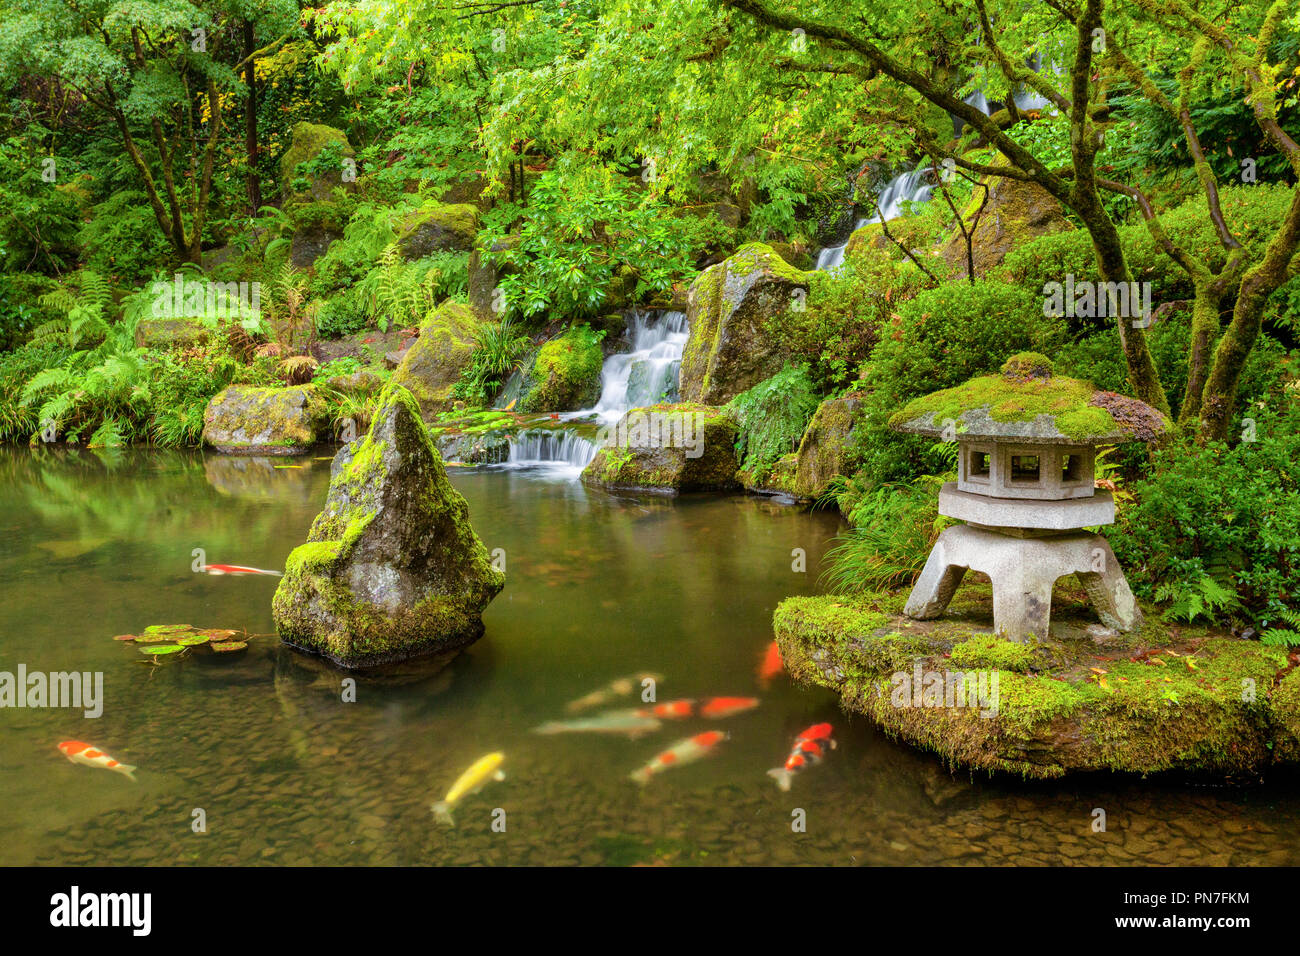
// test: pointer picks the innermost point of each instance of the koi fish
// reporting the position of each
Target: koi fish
(717, 707)
(634, 723)
(771, 666)
(238, 569)
(483, 770)
(618, 688)
(670, 710)
(809, 749)
(79, 752)
(683, 752)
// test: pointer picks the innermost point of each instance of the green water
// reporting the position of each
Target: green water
(598, 586)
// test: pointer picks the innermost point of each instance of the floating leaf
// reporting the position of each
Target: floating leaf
(155, 638)
(193, 640)
(126, 637)
(227, 646)
(155, 649)
(217, 634)
(166, 631)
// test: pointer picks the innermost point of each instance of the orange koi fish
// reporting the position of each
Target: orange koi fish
(809, 749)
(717, 707)
(79, 752)
(683, 752)
(237, 569)
(669, 710)
(771, 666)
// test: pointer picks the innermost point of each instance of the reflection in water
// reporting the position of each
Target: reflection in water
(598, 587)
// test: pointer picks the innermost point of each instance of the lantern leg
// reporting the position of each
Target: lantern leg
(1108, 589)
(935, 587)
(1022, 601)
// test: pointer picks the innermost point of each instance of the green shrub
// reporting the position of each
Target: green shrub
(19, 421)
(181, 385)
(122, 238)
(773, 415)
(1230, 514)
(937, 340)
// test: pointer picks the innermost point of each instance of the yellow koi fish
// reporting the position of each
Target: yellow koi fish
(483, 770)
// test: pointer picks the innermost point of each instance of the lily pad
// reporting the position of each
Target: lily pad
(217, 634)
(155, 649)
(193, 640)
(167, 631)
(223, 647)
(126, 637)
(155, 638)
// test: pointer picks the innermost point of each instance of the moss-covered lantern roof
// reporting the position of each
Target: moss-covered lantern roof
(1026, 403)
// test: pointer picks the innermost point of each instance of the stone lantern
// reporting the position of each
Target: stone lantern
(1027, 444)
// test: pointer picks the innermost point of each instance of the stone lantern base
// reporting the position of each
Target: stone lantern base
(1023, 570)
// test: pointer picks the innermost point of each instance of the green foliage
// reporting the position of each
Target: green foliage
(1288, 636)
(894, 527)
(580, 233)
(1229, 514)
(939, 339)
(18, 420)
(122, 238)
(498, 351)
(772, 416)
(181, 386)
(401, 293)
(839, 324)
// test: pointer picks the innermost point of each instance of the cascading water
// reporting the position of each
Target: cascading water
(643, 376)
(647, 374)
(912, 186)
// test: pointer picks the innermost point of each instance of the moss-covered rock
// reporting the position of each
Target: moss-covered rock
(730, 306)
(308, 140)
(1161, 699)
(392, 568)
(433, 363)
(779, 480)
(826, 448)
(1015, 213)
(667, 449)
(565, 376)
(163, 334)
(438, 227)
(248, 420)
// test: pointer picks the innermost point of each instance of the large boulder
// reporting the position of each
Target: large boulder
(309, 140)
(667, 449)
(485, 273)
(826, 449)
(391, 569)
(248, 420)
(730, 307)
(566, 373)
(1015, 213)
(438, 227)
(431, 366)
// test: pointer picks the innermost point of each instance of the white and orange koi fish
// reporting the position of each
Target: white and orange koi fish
(809, 749)
(238, 569)
(683, 752)
(79, 752)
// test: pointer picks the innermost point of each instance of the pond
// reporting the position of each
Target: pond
(599, 586)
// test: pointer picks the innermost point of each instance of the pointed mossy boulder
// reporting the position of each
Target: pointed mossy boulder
(391, 569)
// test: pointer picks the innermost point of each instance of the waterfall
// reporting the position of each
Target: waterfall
(911, 186)
(647, 374)
(560, 451)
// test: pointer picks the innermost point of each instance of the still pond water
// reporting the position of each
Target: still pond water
(598, 586)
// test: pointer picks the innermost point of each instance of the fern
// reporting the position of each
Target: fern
(1204, 597)
(773, 415)
(1288, 636)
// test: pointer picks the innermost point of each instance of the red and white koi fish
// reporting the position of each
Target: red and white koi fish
(809, 749)
(79, 752)
(717, 707)
(632, 723)
(771, 666)
(238, 569)
(669, 710)
(682, 752)
(617, 688)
